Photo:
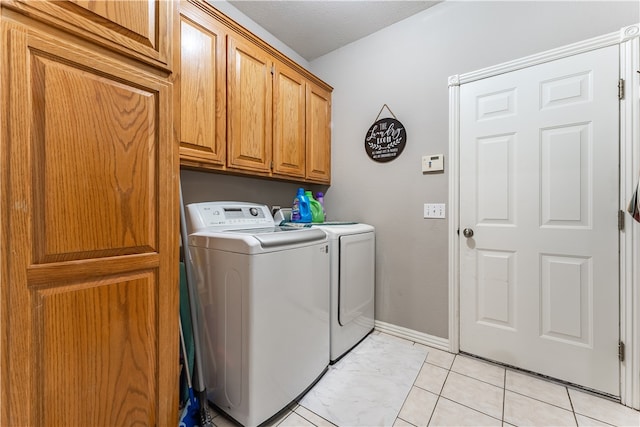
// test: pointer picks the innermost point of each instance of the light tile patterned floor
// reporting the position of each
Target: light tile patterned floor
(457, 390)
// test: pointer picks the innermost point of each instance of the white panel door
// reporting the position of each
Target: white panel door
(539, 189)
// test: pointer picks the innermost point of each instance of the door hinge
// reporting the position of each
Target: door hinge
(271, 165)
(273, 70)
(621, 89)
(620, 220)
(621, 351)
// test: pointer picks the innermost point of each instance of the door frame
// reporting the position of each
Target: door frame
(628, 39)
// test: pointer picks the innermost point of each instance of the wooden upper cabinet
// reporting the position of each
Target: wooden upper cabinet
(137, 28)
(201, 92)
(289, 92)
(318, 134)
(249, 108)
(90, 301)
(277, 113)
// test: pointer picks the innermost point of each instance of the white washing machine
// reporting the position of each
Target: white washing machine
(352, 249)
(263, 311)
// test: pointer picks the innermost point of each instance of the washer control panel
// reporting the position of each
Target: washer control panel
(228, 215)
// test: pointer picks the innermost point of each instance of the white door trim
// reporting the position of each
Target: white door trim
(628, 40)
(630, 236)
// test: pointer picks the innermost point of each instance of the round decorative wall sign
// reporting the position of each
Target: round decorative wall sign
(385, 139)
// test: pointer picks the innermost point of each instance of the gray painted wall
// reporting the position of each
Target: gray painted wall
(203, 186)
(406, 66)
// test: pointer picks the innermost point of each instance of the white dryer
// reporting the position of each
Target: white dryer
(263, 310)
(352, 249)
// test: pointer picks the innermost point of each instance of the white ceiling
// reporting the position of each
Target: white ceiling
(313, 28)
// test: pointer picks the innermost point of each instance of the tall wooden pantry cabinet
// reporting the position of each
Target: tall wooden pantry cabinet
(88, 214)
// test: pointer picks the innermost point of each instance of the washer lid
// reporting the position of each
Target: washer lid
(257, 240)
(288, 236)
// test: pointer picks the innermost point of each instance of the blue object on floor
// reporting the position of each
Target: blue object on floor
(185, 318)
(191, 413)
(190, 416)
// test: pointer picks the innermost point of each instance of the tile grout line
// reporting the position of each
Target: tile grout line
(304, 418)
(573, 409)
(458, 403)
(575, 414)
(398, 418)
(318, 415)
(541, 401)
(504, 394)
(437, 398)
(453, 401)
(475, 378)
(413, 343)
(429, 391)
(472, 409)
(435, 405)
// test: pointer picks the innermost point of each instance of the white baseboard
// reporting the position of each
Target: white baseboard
(411, 335)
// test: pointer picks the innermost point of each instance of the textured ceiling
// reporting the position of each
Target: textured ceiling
(314, 28)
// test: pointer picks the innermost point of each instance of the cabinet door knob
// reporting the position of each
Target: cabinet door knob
(467, 232)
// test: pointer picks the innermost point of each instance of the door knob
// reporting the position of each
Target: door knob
(467, 232)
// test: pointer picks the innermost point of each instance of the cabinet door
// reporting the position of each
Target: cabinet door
(318, 134)
(288, 122)
(89, 287)
(249, 131)
(137, 27)
(201, 104)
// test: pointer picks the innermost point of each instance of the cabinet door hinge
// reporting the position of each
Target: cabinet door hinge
(621, 351)
(273, 70)
(271, 166)
(621, 89)
(620, 220)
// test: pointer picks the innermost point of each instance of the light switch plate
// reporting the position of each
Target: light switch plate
(433, 163)
(434, 210)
